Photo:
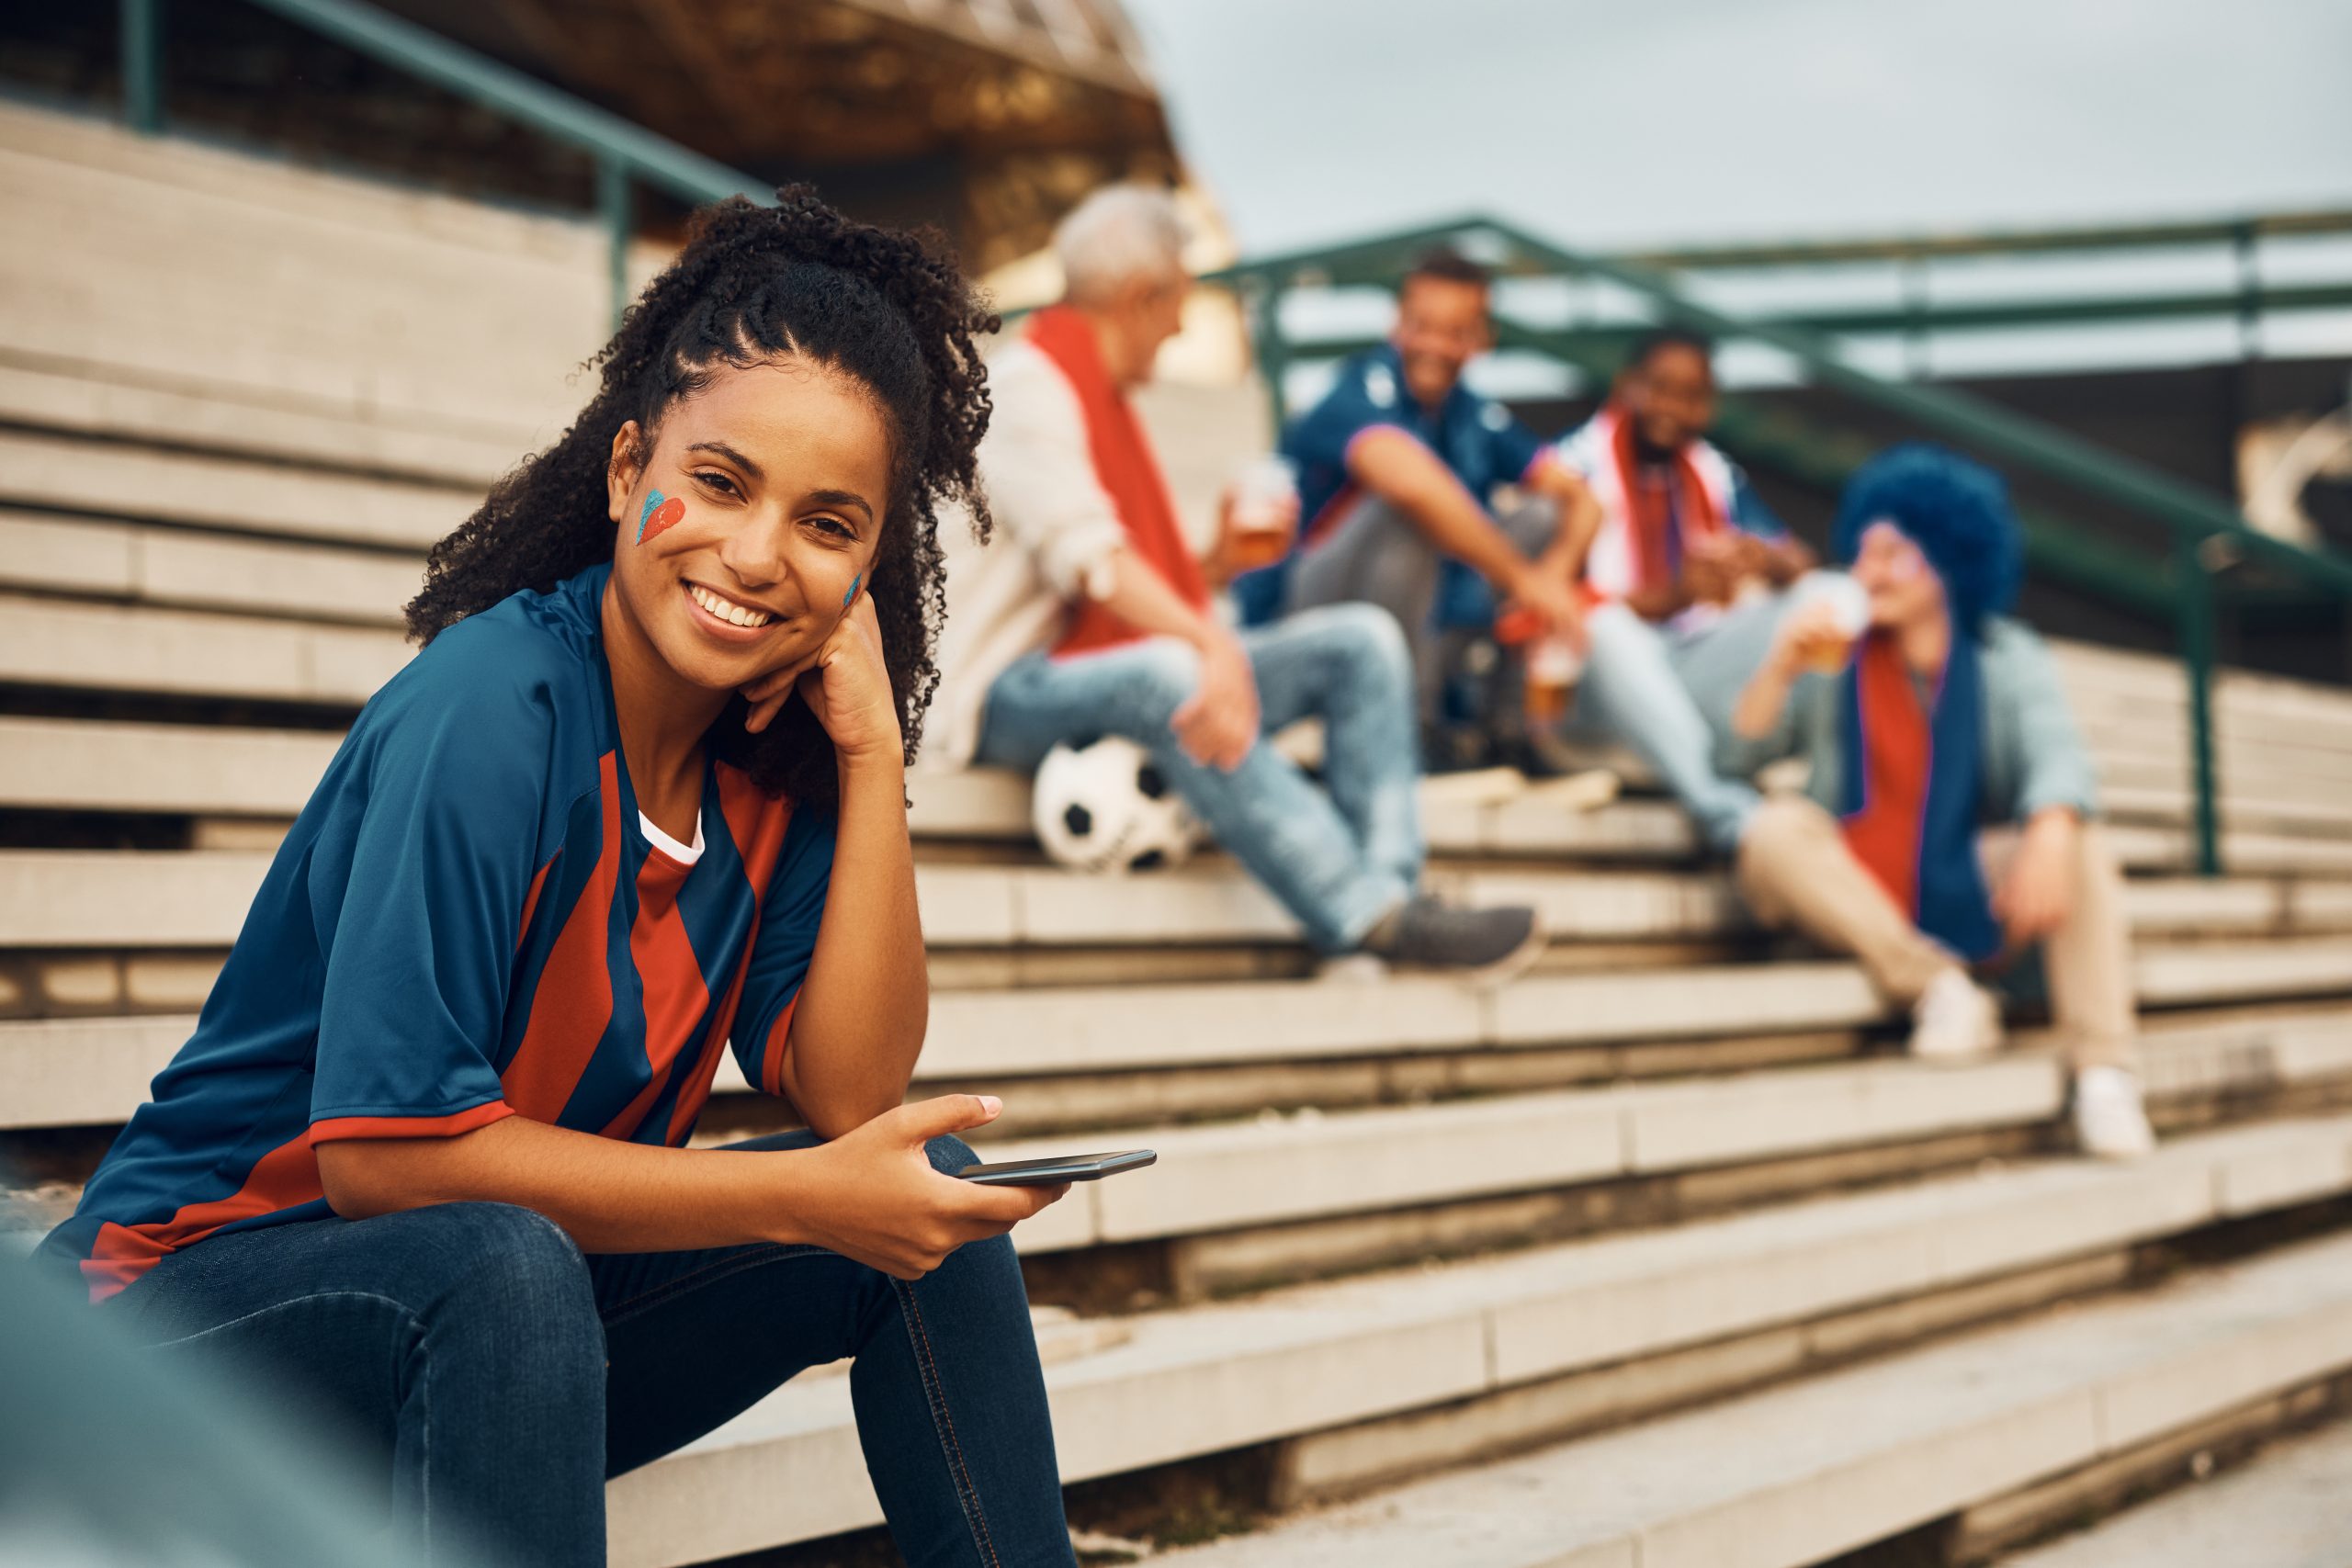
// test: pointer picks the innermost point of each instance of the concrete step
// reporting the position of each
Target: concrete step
(117, 267)
(988, 1036)
(88, 765)
(109, 765)
(54, 554)
(2117, 678)
(69, 645)
(2244, 812)
(71, 397)
(51, 473)
(125, 898)
(991, 806)
(1282, 1171)
(1290, 1362)
(241, 178)
(1277, 1170)
(2289, 1507)
(1800, 1473)
(92, 1069)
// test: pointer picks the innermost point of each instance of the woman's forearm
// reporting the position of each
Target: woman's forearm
(858, 1024)
(612, 1196)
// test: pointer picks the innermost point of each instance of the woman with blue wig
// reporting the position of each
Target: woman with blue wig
(1943, 718)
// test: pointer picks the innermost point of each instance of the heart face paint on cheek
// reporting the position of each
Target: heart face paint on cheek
(853, 590)
(659, 513)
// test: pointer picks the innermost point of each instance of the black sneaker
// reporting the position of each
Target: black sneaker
(1454, 749)
(1489, 945)
(1542, 757)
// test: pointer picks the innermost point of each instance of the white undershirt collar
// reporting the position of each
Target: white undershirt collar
(670, 846)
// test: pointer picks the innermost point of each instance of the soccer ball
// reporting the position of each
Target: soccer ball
(1107, 806)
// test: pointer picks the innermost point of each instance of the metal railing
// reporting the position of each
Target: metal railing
(2206, 532)
(624, 153)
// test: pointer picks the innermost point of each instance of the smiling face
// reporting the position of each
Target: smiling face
(1440, 327)
(1904, 588)
(1670, 396)
(748, 523)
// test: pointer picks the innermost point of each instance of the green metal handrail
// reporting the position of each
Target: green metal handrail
(2105, 237)
(2205, 531)
(623, 152)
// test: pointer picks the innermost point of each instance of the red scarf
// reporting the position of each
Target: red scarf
(1648, 516)
(1896, 761)
(1129, 474)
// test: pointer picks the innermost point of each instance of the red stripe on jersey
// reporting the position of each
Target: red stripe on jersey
(695, 1093)
(574, 1000)
(449, 1126)
(286, 1177)
(531, 899)
(758, 822)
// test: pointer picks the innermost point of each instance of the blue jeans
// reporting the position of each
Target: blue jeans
(505, 1375)
(1667, 691)
(1337, 861)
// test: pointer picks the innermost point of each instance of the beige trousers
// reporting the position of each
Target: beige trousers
(1795, 871)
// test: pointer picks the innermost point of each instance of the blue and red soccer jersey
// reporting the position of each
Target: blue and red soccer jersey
(469, 921)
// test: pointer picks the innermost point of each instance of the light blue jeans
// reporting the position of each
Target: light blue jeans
(1667, 693)
(1339, 858)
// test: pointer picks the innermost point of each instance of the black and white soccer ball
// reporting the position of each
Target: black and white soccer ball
(1107, 806)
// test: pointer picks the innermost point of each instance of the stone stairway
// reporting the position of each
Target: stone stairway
(1663, 1241)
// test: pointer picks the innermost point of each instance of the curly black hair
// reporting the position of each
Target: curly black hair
(756, 282)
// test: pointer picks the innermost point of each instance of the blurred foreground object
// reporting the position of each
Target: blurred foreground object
(110, 1458)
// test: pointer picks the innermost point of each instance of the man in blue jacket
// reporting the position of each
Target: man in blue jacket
(1399, 468)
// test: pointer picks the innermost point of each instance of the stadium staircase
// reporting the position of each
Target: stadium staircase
(1662, 1255)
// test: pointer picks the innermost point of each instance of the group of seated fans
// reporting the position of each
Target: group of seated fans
(1443, 561)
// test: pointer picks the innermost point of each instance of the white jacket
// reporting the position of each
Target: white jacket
(1057, 530)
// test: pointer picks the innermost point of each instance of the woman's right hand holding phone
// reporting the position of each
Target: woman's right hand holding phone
(874, 1196)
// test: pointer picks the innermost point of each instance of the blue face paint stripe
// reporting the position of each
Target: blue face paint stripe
(645, 514)
(853, 590)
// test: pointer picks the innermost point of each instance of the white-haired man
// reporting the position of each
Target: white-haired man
(1090, 615)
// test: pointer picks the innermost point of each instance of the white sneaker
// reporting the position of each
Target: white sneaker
(1954, 1020)
(2109, 1120)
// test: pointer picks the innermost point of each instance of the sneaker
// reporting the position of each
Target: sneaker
(1541, 756)
(1489, 945)
(1455, 749)
(1954, 1020)
(2109, 1120)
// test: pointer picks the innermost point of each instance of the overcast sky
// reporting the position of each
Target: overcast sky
(1619, 125)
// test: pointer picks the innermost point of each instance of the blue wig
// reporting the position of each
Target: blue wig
(1956, 511)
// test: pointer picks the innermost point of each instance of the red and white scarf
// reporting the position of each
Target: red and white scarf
(1638, 548)
(1130, 475)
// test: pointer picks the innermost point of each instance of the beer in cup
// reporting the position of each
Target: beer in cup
(1828, 649)
(1554, 667)
(1265, 509)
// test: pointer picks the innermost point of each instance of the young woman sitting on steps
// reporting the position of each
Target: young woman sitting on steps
(421, 1169)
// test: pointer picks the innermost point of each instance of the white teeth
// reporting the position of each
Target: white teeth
(727, 609)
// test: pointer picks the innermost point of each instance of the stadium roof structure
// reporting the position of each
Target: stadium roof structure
(989, 116)
(1018, 106)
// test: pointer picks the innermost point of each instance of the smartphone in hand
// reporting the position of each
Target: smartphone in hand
(1060, 1168)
